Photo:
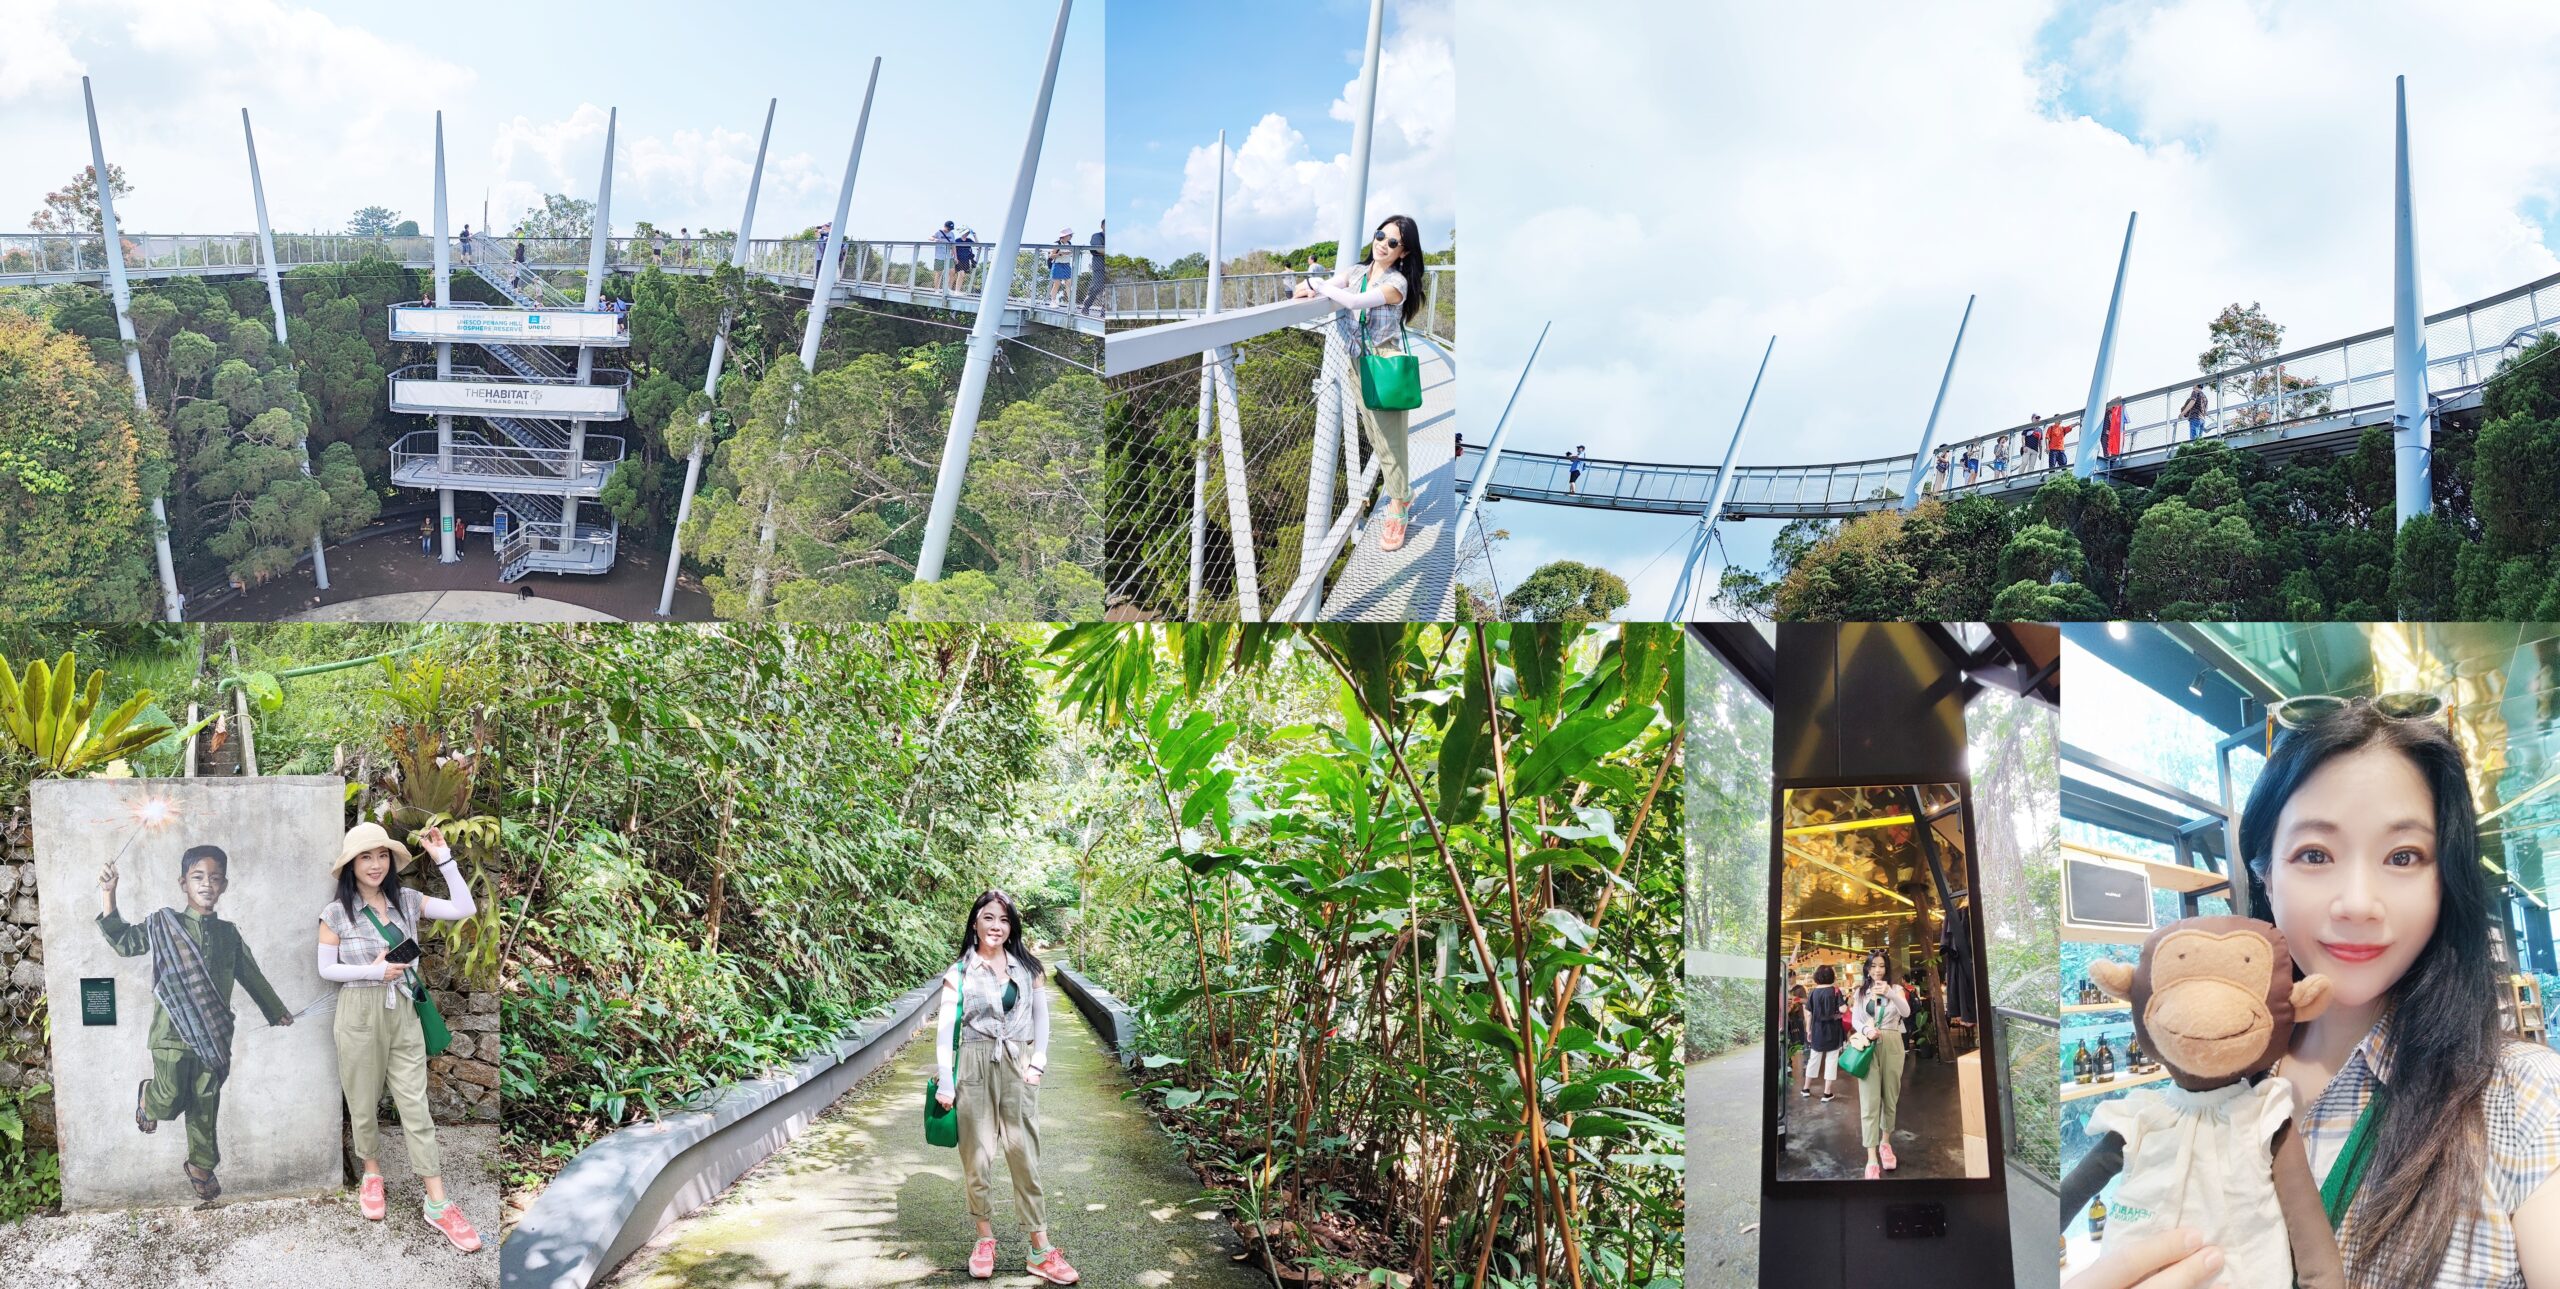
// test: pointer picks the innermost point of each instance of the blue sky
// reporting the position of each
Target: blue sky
(1706, 192)
(343, 96)
(1273, 77)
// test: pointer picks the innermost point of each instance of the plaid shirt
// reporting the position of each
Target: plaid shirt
(2521, 1111)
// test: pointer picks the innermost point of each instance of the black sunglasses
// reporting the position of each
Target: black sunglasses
(1393, 243)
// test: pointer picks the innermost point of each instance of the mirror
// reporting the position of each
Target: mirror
(1874, 950)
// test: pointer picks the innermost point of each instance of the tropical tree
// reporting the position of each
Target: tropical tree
(375, 221)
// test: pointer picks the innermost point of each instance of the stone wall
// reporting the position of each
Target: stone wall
(24, 1060)
(462, 1084)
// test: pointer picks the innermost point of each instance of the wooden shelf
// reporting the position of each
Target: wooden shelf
(2168, 877)
(2077, 1091)
(2078, 935)
(2074, 1009)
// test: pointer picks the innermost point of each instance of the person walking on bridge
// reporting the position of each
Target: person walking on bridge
(2056, 455)
(990, 1047)
(466, 241)
(943, 238)
(515, 276)
(1062, 268)
(1093, 291)
(1387, 300)
(2193, 410)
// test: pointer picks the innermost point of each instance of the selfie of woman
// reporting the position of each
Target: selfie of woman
(2373, 837)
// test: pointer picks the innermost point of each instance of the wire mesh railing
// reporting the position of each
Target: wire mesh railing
(2029, 1048)
(1180, 487)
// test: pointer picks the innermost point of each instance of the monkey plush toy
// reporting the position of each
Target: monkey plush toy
(2215, 1000)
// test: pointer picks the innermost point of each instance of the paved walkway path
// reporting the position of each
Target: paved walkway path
(861, 1200)
(262, 1244)
(1723, 1175)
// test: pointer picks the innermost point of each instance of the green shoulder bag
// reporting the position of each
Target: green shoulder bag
(430, 1021)
(941, 1122)
(1388, 382)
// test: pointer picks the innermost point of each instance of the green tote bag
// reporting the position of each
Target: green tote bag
(1388, 382)
(431, 1024)
(942, 1123)
(1855, 1057)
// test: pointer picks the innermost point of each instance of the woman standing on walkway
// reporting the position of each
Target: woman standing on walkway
(380, 1041)
(1387, 300)
(1878, 1012)
(996, 998)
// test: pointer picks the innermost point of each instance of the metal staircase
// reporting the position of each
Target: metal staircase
(531, 466)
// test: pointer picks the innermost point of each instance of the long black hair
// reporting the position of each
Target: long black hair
(348, 899)
(1408, 261)
(2431, 1139)
(1012, 932)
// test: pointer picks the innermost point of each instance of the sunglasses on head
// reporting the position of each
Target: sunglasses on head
(1393, 243)
(2399, 705)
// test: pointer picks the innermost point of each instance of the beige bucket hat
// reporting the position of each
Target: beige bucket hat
(370, 836)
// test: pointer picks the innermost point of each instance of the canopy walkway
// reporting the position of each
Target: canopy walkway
(860, 1199)
(882, 272)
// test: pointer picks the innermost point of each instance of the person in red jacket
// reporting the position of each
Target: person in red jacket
(2115, 431)
(2055, 453)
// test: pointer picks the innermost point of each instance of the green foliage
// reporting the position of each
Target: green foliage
(1398, 858)
(373, 221)
(77, 464)
(30, 1177)
(724, 848)
(50, 718)
(1565, 591)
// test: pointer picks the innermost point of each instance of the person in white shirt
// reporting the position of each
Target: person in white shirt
(1876, 1013)
(990, 1048)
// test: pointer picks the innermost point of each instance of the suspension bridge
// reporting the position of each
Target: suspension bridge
(2410, 376)
(536, 388)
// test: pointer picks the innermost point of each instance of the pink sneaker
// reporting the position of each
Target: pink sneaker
(1874, 1173)
(369, 1199)
(1052, 1266)
(982, 1260)
(457, 1228)
(1887, 1152)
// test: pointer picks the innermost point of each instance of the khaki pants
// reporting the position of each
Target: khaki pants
(999, 1116)
(1880, 1090)
(380, 1045)
(1387, 435)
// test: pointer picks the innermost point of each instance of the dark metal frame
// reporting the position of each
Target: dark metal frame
(1995, 1108)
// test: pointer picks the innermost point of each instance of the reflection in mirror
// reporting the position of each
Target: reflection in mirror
(1882, 1075)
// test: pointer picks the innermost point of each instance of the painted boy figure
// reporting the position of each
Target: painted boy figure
(196, 958)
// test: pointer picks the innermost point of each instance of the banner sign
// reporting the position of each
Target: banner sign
(561, 326)
(524, 398)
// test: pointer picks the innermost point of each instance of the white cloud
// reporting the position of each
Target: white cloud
(1743, 170)
(1280, 193)
(36, 57)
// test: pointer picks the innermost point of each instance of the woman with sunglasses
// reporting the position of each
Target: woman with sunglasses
(2437, 1136)
(997, 1000)
(1387, 297)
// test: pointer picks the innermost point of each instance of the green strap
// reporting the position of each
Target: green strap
(391, 936)
(2346, 1172)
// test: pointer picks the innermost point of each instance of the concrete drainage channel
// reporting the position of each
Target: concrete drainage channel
(623, 1190)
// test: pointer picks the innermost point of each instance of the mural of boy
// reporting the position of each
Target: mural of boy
(196, 959)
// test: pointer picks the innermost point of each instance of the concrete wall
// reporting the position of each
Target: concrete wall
(626, 1188)
(281, 1110)
(1111, 1018)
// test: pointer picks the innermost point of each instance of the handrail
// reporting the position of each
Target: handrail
(1127, 351)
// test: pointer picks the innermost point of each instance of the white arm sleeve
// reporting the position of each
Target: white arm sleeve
(948, 1012)
(457, 903)
(345, 972)
(1040, 1026)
